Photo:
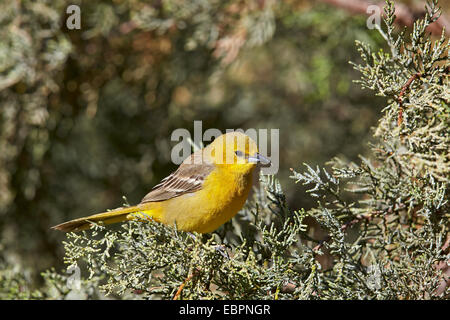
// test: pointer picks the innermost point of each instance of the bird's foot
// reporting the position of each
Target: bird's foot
(222, 249)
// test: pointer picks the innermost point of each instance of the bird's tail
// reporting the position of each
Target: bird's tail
(114, 216)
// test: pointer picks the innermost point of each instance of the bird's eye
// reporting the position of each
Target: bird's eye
(239, 153)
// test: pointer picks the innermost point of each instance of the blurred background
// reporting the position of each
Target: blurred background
(86, 114)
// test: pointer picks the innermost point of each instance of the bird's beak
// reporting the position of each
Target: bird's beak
(258, 158)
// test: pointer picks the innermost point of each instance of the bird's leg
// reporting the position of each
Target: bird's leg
(221, 248)
(192, 236)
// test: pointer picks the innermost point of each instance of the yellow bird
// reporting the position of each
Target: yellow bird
(206, 190)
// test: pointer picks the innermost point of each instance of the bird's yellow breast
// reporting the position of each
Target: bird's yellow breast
(223, 194)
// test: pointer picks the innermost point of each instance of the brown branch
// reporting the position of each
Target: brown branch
(446, 244)
(405, 16)
(444, 266)
(402, 93)
(177, 295)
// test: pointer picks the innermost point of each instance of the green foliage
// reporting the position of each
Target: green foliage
(152, 260)
(386, 218)
(85, 117)
(16, 284)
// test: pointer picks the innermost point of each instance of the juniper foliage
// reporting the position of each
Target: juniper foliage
(76, 105)
(151, 260)
(386, 217)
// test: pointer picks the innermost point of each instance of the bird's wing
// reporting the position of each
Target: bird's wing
(187, 178)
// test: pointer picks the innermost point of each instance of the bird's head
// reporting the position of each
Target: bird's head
(235, 151)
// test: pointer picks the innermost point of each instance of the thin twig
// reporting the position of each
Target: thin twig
(402, 93)
(177, 295)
